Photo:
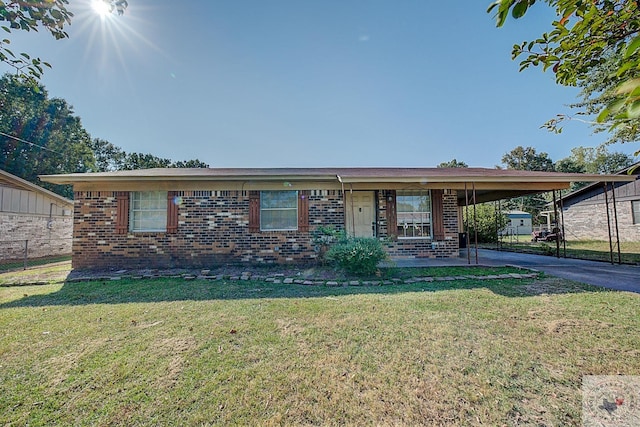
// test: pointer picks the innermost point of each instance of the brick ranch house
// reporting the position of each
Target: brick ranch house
(203, 217)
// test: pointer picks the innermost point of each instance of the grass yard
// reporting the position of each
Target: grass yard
(584, 249)
(175, 352)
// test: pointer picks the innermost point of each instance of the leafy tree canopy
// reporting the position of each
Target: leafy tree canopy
(41, 136)
(593, 44)
(453, 164)
(528, 159)
(599, 160)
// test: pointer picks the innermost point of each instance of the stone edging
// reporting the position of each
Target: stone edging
(282, 279)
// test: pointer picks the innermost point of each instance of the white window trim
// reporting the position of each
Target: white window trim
(429, 214)
(133, 211)
(279, 209)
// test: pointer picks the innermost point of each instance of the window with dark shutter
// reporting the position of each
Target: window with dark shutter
(438, 214)
(303, 210)
(172, 212)
(392, 223)
(122, 212)
(254, 211)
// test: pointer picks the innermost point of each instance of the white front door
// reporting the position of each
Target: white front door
(360, 213)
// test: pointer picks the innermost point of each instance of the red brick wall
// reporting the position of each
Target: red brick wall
(212, 228)
(419, 248)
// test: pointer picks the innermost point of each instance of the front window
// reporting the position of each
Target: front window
(278, 210)
(414, 214)
(635, 209)
(148, 211)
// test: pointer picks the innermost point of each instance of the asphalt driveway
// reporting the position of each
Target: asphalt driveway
(619, 277)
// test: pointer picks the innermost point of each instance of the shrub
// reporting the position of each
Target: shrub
(359, 256)
(486, 220)
(325, 236)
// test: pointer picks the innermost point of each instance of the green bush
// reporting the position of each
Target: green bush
(486, 221)
(358, 256)
(325, 236)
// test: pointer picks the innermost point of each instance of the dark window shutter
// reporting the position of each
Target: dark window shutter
(392, 215)
(437, 214)
(172, 213)
(303, 210)
(254, 211)
(122, 212)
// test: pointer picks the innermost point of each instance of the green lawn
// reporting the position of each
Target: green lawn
(176, 352)
(583, 249)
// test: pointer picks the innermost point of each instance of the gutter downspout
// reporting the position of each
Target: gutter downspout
(344, 200)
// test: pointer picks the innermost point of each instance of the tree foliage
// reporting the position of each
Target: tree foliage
(31, 15)
(487, 222)
(41, 136)
(581, 160)
(528, 159)
(589, 37)
(453, 164)
(599, 160)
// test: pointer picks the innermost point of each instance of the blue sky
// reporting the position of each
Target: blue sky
(308, 83)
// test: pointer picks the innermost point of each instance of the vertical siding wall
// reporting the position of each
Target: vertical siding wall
(213, 227)
(24, 215)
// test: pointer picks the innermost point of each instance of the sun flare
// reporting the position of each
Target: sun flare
(101, 7)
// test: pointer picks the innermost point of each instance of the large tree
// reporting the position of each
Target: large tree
(39, 135)
(592, 160)
(594, 45)
(599, 160)
(527, 158)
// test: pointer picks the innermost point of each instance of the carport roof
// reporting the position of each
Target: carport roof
(490, 184)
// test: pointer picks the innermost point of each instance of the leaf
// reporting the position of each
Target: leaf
(632, 48)
(520, 9)
(633, 111)
(628, 86)
(602, 117)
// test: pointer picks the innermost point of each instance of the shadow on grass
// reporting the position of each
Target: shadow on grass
(173, 289)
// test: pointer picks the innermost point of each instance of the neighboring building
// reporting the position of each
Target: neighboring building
(519, 223)
(203, 217)
(34, 217)
(585, 210)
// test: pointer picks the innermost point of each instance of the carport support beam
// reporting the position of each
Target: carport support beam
(475, 220)
(555, 214)
(606, 204)
(466, 215)
(615, 220)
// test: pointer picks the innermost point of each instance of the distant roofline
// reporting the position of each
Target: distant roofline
(633, 172)
(29, 186)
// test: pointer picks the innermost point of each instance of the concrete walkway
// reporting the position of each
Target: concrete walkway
(619, 277)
